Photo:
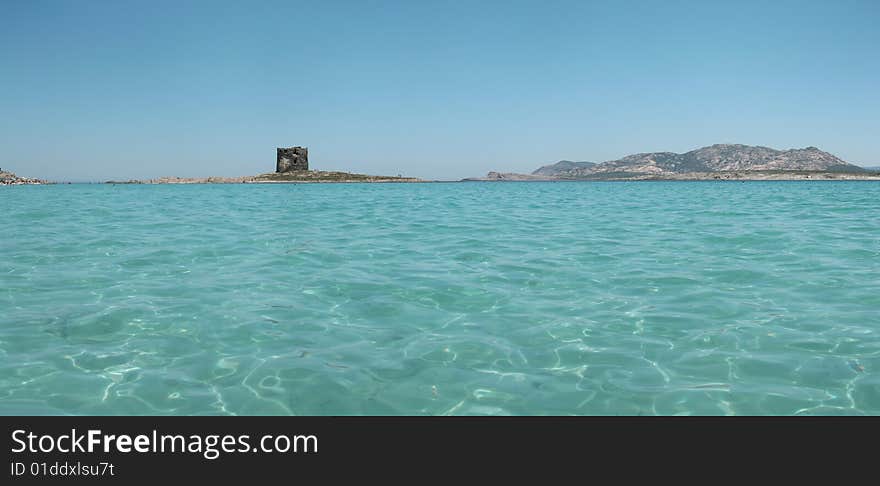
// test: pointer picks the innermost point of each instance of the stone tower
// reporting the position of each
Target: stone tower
(292, 159)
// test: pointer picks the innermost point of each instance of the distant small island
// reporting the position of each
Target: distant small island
(307, 176)
(291, 166)
(716, 162)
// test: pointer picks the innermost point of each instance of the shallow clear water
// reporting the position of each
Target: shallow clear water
(472, 298)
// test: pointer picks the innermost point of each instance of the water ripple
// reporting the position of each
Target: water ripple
(514, 298)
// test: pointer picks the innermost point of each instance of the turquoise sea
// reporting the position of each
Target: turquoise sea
(471, 298)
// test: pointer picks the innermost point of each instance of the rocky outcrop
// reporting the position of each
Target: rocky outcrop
(292, 159)
(562, 168)
(10, 179)
(292, 166)
(302, 176)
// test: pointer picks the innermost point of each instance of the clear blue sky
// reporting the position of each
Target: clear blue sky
(93, 90)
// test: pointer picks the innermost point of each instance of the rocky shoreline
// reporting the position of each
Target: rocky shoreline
(759, 175)
(754, 175)
(715, 162)
(297, 177)
(10, 179)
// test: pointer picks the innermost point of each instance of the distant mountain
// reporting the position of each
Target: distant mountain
(562, 167)
(716, 158)
(873, 169)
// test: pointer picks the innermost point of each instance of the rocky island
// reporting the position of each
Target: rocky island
(311, 176)
(716, 162)
(291, 166)
(10, 179)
